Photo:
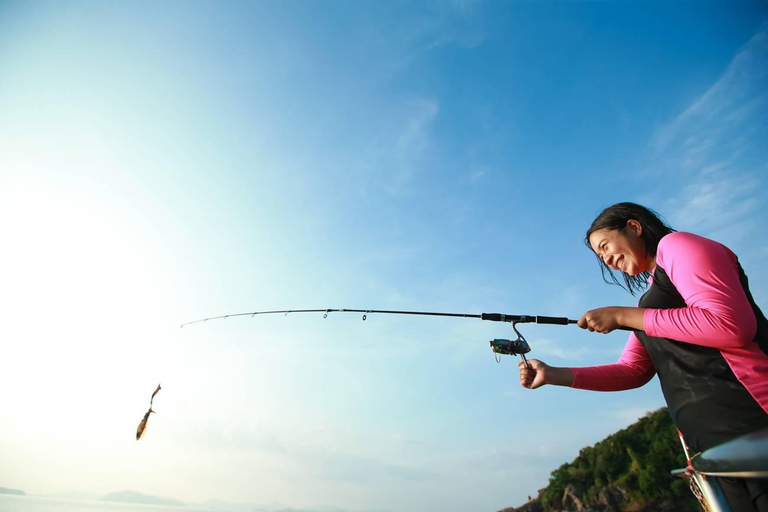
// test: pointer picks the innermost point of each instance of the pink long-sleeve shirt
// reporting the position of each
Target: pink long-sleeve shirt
(718, 314)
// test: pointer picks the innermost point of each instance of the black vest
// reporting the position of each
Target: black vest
(707, 402)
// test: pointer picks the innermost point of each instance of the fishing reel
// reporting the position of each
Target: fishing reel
(511, 347)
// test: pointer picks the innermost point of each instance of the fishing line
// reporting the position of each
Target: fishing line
(401, 326)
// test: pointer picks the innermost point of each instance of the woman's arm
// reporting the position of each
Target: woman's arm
(633, 369)
(706, 273)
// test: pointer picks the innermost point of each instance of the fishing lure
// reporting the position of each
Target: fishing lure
(518, 346)
(143, 423)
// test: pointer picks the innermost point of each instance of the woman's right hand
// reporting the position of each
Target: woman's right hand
(534, 376)
(538, 373)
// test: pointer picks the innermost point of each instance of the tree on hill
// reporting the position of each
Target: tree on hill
(635, 462)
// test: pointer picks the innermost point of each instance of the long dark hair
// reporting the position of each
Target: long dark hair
(615, 218)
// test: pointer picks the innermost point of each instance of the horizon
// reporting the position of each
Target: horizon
(146, 501)
(162, 163)
(137, 497)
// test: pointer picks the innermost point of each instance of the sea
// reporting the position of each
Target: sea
(13, 503)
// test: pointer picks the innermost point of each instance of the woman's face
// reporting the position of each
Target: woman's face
(623, 250)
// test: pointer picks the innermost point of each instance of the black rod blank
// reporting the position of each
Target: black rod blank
(493, 317)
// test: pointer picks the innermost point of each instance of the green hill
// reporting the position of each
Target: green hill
(627, 471)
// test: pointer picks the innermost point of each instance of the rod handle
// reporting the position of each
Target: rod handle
(559, 320)
(500, 317)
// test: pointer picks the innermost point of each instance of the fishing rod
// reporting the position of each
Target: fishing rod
(517, 346)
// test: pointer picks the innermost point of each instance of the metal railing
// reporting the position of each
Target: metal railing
(743, 457)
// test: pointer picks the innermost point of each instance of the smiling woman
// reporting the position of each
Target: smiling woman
(697, 327)
(626, 238)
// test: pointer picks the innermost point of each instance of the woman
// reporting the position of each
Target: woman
(697, 327)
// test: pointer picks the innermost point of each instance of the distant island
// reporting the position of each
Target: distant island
(137, 497)
(5, 490)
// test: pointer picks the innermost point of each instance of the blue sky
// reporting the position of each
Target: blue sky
(164, 162)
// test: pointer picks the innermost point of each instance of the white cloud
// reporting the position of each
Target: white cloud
(400, 149)
(336, 464)
(739, 92)
(630, 415)
(477, 174)
(714, 153)
(242, 438)
(720, 204)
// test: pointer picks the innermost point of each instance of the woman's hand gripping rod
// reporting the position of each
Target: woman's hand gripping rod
(519, 346)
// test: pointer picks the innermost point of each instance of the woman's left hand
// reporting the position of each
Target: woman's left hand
(607, 319)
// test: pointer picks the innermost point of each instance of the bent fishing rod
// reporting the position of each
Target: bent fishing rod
(517, 346)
